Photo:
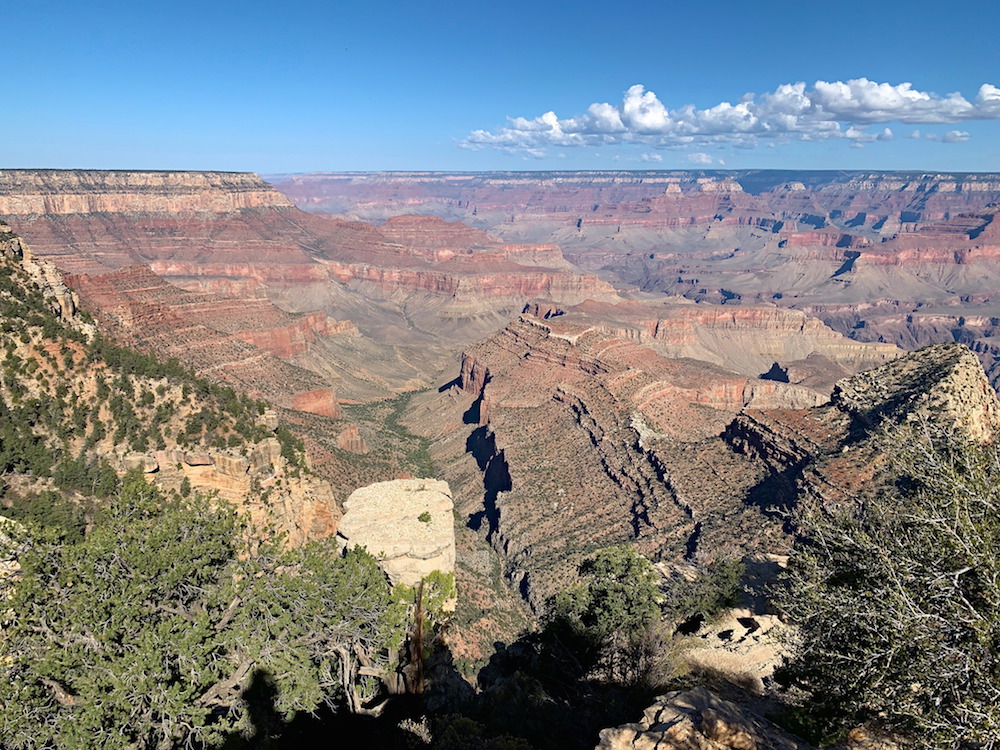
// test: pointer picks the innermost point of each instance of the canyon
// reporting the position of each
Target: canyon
(574, 391)
(907, 258)
(545, 364)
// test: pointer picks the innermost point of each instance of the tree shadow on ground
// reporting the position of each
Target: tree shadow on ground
(535, 693)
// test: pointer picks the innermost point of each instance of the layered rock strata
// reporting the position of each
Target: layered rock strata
(416, 292)
(238, 342)
(902, 258)
(591, 434)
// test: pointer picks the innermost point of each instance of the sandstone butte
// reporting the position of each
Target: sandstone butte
(407, 524)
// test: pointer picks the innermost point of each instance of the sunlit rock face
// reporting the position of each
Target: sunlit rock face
(909, 259)
(407, 524)
(601, 424)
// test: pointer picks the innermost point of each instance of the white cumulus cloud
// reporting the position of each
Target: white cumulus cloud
(952, 136)
(793, 111)
(700, 158)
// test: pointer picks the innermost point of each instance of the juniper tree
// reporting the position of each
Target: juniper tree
(897, 599)
(147, 633)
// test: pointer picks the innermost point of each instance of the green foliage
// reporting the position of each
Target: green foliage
(462, 733)
(716, 587)
(609, 622)
(898, 600)
(424, 517)
(48, 511)
(146, 633)
(292, 447)
(621, 594)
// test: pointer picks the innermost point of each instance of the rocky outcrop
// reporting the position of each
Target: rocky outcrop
(322, 401)
(126, 412)
(832, 455)
(944, 383)
(64, 302)
(407, 524)
(351, 440)
(698, 720)
(630, 436)
(240, 342)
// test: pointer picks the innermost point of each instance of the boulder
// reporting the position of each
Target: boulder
(264, 456)
(407, 524)
(698, 719)
(145, 462)
(269, 419)
(230, 465)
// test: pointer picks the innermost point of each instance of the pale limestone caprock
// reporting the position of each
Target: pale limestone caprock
(407, 524)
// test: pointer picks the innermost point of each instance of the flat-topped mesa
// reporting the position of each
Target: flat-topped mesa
(962, 239)
(28, 192)
(943, 383)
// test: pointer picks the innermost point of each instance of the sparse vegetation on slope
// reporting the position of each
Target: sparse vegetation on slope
(152, 631)
(72, 402)
(898, 599)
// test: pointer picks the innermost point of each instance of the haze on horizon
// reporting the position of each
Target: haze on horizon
(314, 86)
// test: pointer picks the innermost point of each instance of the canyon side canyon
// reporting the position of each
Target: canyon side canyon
(661, 359)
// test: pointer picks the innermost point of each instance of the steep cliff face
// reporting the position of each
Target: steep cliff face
(829, 454)
(76, 412)
(424, 286)
(593, 432)
(40, 192)
(874, 255)
(240, 342)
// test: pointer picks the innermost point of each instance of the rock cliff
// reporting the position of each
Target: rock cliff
(880, 257)
(593, 431)
(40, 192)
(75, 411)
(423, 286)
(240, 342)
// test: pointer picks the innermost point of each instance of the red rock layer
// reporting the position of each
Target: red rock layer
(229, 233)
(37, 192)
(235, 341)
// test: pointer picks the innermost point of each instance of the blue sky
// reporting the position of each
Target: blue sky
(304, 86)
